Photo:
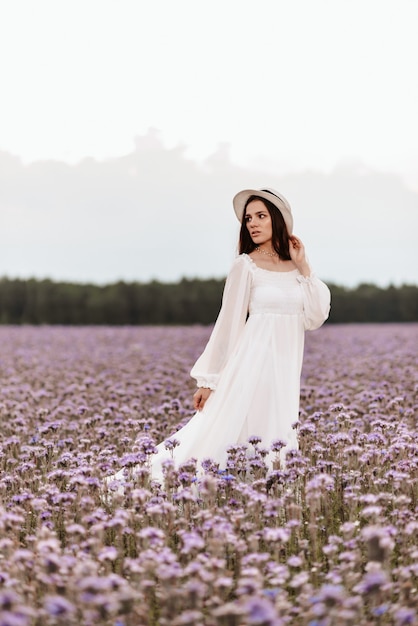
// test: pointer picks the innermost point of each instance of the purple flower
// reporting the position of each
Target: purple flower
(58, 606)
(405, 617)
(109, 553)
(299, 580)
(372, 582)
(8, 599)
(380, 610)
(254, 440)
(261, 612)
(331, 595)
(172, 443)
(18, 617)
(277, 445)
(192, 541)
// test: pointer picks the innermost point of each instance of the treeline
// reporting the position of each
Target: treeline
(186, 302)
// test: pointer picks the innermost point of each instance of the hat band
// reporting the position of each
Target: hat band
(273, 194)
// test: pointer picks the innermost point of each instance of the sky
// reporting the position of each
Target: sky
(126, 127)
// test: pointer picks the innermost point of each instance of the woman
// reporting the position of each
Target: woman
(248, 376)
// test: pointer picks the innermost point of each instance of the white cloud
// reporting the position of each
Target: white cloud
(298, 83)
(269, 93)
(157, 214)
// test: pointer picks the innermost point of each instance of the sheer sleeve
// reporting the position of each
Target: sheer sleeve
(228, 327)
(316, 301)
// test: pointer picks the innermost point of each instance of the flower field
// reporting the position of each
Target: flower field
(329, 539)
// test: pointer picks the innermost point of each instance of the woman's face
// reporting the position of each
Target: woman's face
(258, 222)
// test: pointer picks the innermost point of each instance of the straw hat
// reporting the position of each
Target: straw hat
(273, 196)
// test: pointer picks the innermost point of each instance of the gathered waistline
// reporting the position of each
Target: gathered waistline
(276, 313)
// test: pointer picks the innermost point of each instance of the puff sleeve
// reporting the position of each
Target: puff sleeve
(316, 301)
(228, 327)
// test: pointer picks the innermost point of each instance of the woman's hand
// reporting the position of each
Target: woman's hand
(200, 397)
(297, 254)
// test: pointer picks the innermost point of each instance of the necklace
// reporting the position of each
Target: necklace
(272, 254)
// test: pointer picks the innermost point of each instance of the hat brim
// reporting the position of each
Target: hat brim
(272, 196)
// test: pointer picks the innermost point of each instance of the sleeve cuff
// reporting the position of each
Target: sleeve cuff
(307, 280)
(208, 384)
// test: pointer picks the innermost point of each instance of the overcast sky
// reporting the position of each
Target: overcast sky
(127, 126)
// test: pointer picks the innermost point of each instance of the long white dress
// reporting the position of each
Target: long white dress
(253, 362)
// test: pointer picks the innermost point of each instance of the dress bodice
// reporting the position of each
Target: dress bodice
(288, 301)
(275, 292)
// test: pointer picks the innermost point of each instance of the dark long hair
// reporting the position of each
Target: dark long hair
(280, 237)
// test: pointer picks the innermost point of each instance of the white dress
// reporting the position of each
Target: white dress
(253, 362)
